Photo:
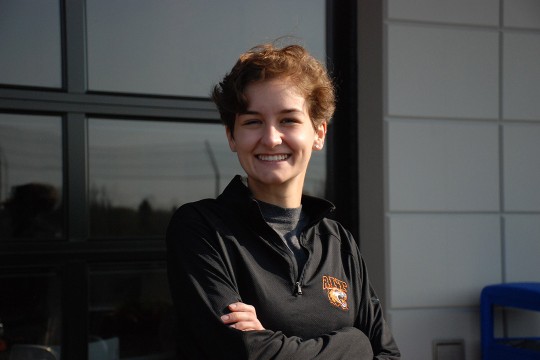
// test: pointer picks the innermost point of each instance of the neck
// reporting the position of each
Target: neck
(283, 196)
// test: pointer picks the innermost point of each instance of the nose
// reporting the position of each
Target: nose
(271, 136)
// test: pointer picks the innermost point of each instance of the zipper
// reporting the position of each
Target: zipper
(284, 249)
(300, 279)
(298, 289)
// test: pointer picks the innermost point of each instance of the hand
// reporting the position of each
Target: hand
(242, 317)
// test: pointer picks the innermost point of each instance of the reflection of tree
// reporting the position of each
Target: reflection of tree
(108, 220)
(31, 212)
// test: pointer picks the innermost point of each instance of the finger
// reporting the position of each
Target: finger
(242, 317)
(247, 326)
(237, 316)
(247, 323)
(228, 319)
(241, 307)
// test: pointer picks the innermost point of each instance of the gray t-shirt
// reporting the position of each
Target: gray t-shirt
(288, 223)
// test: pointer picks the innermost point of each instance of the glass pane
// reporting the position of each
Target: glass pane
(30, 315)
(193, 43)
(30, 39)
(130, 314)
(30, 176)
(140, 171)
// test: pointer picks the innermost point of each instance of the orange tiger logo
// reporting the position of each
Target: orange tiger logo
(337, 291)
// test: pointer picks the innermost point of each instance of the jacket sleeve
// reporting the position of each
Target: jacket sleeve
(203, 284)
(370, 318)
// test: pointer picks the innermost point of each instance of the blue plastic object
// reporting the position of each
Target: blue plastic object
(524, 296)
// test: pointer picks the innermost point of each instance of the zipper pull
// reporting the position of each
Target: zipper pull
(298, 289)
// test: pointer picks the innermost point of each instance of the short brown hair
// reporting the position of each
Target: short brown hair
(266, 62)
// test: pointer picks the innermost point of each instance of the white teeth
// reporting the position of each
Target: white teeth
(272, 157)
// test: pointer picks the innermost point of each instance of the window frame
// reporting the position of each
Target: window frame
(75, 254)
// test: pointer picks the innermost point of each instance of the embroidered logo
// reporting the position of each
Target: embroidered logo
(336, 290)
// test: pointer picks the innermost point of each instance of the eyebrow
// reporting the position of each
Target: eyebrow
(284, 111)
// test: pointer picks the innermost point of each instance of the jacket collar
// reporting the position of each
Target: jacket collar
(239, 196)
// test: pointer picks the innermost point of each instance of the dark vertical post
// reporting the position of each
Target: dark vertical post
(371, 141)
(342, 169)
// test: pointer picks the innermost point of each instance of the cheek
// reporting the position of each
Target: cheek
(248, 138)
(306, 140)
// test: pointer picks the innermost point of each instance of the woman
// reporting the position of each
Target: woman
(261, 272)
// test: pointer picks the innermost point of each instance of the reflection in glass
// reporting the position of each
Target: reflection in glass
(188, 50)
(30, 43)
(30, 176)
(130, 313)
(141, 171)
(30, 313)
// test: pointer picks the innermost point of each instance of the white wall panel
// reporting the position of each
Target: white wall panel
(484, 12)
(521, 64)
(453, 182)
(443, 166)
(415, 330)
(442, 72)
(522, 13)
(522, 244)
(442, 260)
(522, 167)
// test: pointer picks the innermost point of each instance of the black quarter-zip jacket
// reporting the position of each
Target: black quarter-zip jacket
(221, 251)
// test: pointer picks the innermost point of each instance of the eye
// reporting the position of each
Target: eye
(250, 122)
(290, 121)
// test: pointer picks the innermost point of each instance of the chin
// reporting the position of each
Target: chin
(275, 179)
(269, 179)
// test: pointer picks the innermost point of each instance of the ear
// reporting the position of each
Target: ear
(320, 135)
(230, 138)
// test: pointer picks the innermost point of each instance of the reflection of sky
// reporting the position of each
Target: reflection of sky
(30, 151)
(184, 47)
(166, 163)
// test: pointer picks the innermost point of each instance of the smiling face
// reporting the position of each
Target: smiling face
(274, 139)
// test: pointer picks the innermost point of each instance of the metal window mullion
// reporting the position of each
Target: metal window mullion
(75, 280)
(75, 64)
(76, 179)
(75, 126)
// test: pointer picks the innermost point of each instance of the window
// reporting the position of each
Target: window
(105, 128)
(182, 48)
(30, 177)
(141, 171)
(30, 39)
